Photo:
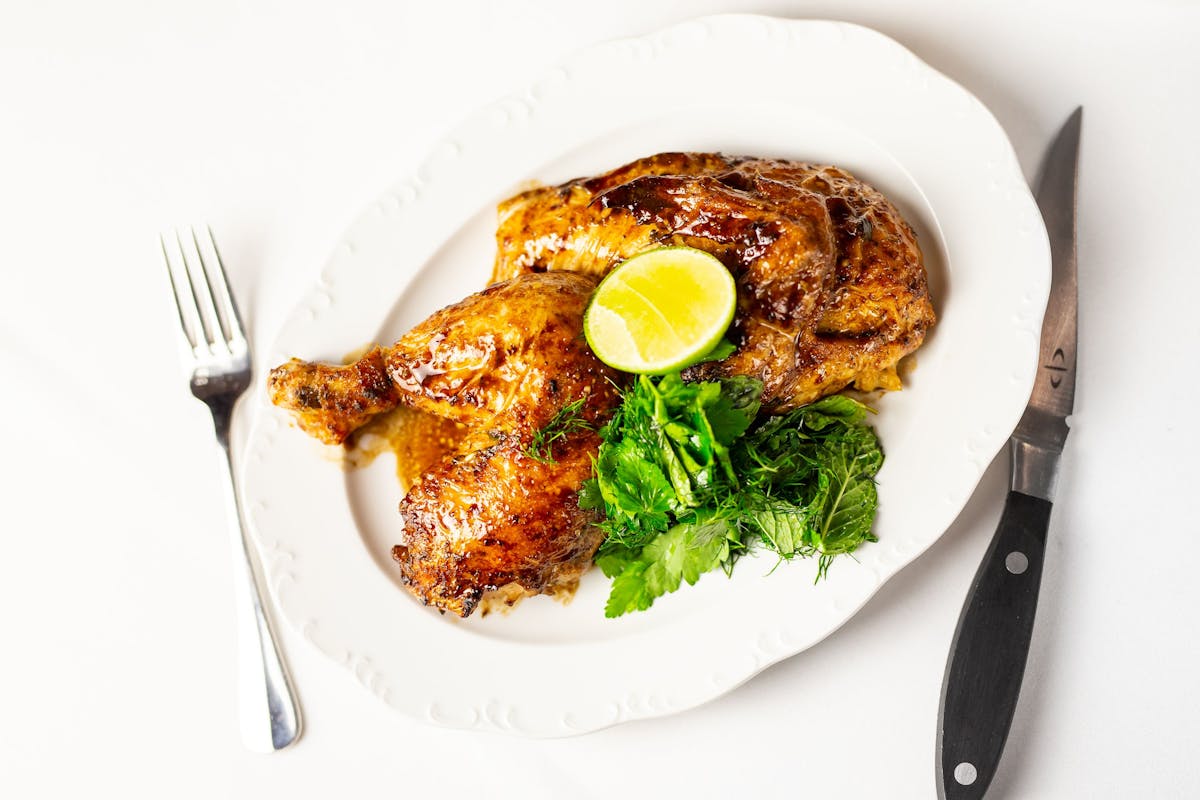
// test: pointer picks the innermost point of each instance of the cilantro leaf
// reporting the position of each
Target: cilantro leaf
(614, 561)
(721, 351)
(640, 487)
(590, 498)
(734, 409)
(683, 553)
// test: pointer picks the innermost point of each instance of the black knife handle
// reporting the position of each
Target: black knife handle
(987, 658)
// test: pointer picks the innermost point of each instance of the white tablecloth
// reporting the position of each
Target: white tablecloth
(277, 122)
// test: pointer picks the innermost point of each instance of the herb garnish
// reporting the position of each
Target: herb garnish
(565, 421)
(688, 482)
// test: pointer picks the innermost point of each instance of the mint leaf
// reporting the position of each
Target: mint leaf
(845, 505)
(834, 409)
(813, 470)
(848, 517)
(784, 527)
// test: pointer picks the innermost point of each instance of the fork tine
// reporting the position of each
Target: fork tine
(202, 301)
(184, 324)
(228, 306)
(219, 309)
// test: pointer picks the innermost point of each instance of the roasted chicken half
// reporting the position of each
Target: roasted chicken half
(831, 283)
(831, 292)
(504, 362)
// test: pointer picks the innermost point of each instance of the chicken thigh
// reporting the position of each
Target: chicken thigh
(505, 362)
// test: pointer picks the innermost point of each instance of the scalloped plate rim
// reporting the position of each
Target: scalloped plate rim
(502, 715)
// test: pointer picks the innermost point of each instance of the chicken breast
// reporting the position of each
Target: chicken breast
(832, 289)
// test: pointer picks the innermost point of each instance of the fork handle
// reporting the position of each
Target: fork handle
(262, 675)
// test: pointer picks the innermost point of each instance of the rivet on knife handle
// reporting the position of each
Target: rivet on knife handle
(983, 676)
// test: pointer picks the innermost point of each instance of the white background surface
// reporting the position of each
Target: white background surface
(277, 124)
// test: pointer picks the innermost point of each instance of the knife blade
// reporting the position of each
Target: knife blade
(991, 643)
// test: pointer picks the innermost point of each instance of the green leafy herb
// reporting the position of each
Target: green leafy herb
(685, 552)
(666, 451)
(816, 468)
(688, 482)
(723, 350)
(565, 421)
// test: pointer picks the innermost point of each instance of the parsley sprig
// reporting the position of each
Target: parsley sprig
(688, 481)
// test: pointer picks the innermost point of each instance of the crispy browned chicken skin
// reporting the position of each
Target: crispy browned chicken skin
(831, 284)
(503, 361)
(831, 292)
(506, 358)
(491, 516)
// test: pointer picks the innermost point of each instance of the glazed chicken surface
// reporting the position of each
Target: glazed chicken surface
(832, 288)
(831, 293)
(492, 517)
(504, 362)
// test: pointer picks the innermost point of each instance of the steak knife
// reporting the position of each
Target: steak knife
(991, 643)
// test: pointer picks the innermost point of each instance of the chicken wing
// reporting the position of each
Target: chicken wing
(329, 402)
(507, 357)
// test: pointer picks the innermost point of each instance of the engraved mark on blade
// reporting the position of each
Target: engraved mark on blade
(1058, 359)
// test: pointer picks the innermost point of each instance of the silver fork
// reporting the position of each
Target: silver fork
(220, 361)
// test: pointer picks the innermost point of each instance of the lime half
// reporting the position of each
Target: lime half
(660, 311)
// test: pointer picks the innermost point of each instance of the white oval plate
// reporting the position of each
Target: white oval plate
(817, 91)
